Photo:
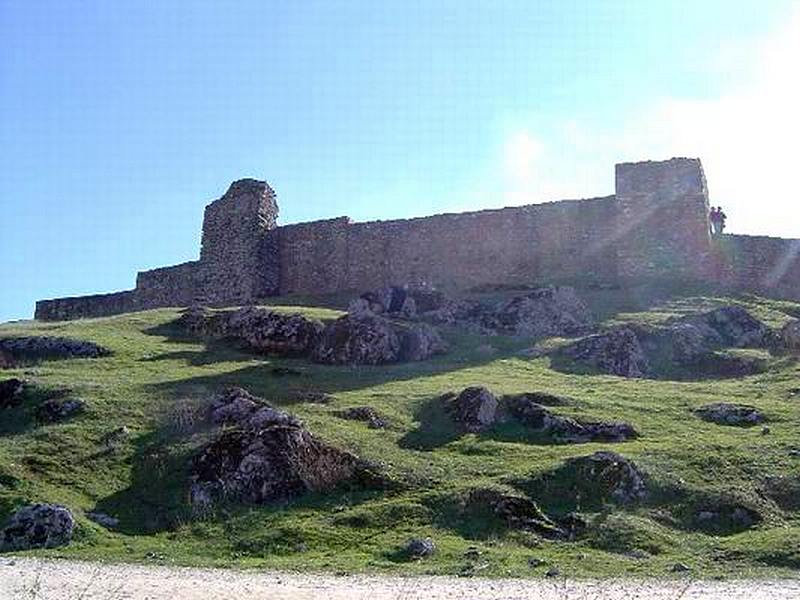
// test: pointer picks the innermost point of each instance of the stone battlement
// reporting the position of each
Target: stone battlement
(655, 225)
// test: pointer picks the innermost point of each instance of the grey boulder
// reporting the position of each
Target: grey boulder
(37, 526)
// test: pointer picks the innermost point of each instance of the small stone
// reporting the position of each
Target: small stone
(553, 572)
(765, 431)
(472, 553)
(55, 410)
(420, 548)
(680, 568)
(535, 562)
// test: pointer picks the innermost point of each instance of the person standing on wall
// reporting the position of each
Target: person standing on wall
(713, 217)
(721, 218)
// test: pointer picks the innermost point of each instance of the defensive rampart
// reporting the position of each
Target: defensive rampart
(655, 226)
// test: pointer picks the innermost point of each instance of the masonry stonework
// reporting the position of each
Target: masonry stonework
(655, 226)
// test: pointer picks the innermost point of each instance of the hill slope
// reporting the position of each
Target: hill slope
(157, 382)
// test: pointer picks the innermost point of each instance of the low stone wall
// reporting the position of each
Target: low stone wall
(99, 305)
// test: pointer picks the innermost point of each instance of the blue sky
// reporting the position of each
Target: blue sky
(120, 120)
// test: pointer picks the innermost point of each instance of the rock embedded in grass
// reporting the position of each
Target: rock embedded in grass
(37, 526)
(371, 340)
(789, 337)
(11, 391)
(6, 360)
(616, 352)
(592, 480)
(417, 548)
(55, 410)
(474, 409)
(272, 462)
(544, 312)
(236, 406)
(366, 414)
(564, 429)
(44, 347)
(726, 413)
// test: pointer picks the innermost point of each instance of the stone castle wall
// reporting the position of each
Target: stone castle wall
(450, 251)
(655, 226)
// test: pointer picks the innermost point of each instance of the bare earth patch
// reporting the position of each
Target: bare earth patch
(57, 579)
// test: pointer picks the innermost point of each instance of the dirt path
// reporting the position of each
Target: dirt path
(22, 579)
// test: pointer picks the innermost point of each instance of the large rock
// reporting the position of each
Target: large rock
(617, 352)
(726, 413)
(593, 480)
(37, 526)
(271, 464)
(564, 429)
(728, 326)
(474, 409)
(235, 406)
(42, 347)
(11, 392)
(371, 340)
(393, 301)
(544, 312)
(262, 330)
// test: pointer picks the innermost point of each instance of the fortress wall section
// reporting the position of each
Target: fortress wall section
(663, 227)
(452, 251)
(232, 251)
(178, 285)
(760, 264)
(82, 307)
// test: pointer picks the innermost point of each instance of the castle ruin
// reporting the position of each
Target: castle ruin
(655, 226)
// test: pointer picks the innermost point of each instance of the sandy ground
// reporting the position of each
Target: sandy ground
(48, 580)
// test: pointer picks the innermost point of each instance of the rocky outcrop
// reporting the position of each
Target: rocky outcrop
(520, 513)
(564, 429)
(616, 352)
(11, 392)
(271, 464)
(239, 408)
(725, 413)
(593, 480)
(55, 410)
(474, 409)
(725, 517)
(37, 526)
(42, 348)
(262, 330)
(371, 340)
(545, 312)
(366, 414)
(267, 456)
(728, 326)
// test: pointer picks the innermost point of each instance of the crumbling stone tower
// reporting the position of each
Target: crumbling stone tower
(235, 250)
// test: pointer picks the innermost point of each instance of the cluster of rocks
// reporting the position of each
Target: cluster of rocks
(31, 348)
(725, 517)
(542, 312)
(690, 341)
(37, 526)
(363, 339)
(726, 413)
(267, 456)
(261, 330)
(476, 409)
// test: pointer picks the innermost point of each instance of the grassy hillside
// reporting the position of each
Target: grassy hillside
(156, 383)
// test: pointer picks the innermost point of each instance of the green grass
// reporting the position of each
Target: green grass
(156, 380)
